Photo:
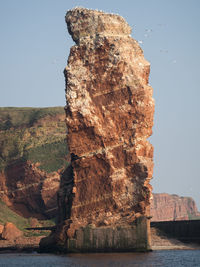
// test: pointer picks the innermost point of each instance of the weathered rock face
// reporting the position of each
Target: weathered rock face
(32, 155)
(1, 229)
(165, 207)
(109, 116)
(29, 191)
(11, 232)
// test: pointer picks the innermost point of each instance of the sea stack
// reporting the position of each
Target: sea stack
(104, 196)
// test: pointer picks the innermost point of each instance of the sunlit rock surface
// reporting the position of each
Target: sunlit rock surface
(109, 116)
(33, 154)
(10, 232)
(165, 207)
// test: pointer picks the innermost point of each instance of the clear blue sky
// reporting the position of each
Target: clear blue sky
(35, 45)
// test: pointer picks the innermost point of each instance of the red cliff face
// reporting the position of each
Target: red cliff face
(109, 116)
(165, 207)
(32, 154)
(29, 191)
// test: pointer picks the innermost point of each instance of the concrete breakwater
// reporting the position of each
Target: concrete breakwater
(187, 231)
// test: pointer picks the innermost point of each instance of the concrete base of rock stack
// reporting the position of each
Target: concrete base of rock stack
(104, 195)
(135, 237)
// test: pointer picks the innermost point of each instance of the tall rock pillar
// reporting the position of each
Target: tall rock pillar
(109, 116)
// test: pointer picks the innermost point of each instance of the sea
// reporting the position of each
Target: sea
(161, 258)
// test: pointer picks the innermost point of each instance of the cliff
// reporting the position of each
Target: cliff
(33, 153)
(35, 181)
(165, 207)
(30, 177)
(105, 193)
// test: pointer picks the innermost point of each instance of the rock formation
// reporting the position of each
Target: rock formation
(105, 195)
(11, 232)
(29, 177)
(165, 207)
(1, 229)
(29, 191)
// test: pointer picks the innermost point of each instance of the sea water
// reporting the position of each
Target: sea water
(162, 258)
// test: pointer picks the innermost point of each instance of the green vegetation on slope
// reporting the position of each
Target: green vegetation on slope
(35, 134)
(31, 134)
(7, 215)
(51, 156)
(16, 117)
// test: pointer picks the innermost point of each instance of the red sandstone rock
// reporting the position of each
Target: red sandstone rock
(21, 243)
(109, 116)
(23, 186)
(11, 232)
(34, 222)
(165, 207)
(1, 229)
(29, 191)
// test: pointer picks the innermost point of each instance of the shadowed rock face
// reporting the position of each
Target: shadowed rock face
(33, 154)
(29, 191)
(109, 116)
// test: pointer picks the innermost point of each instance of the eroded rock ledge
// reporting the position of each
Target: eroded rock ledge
(109, 116)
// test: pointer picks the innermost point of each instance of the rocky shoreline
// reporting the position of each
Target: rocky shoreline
(22, 244)
(31, 244)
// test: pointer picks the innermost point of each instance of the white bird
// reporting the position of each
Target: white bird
(148, 30)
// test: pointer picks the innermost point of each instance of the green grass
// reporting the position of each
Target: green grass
(7, 215)
(33, 134)
(12, 117)
(37, 135)
(51, 157)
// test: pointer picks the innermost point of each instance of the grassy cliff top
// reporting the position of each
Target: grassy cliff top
(35, 134)
(16, 117)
